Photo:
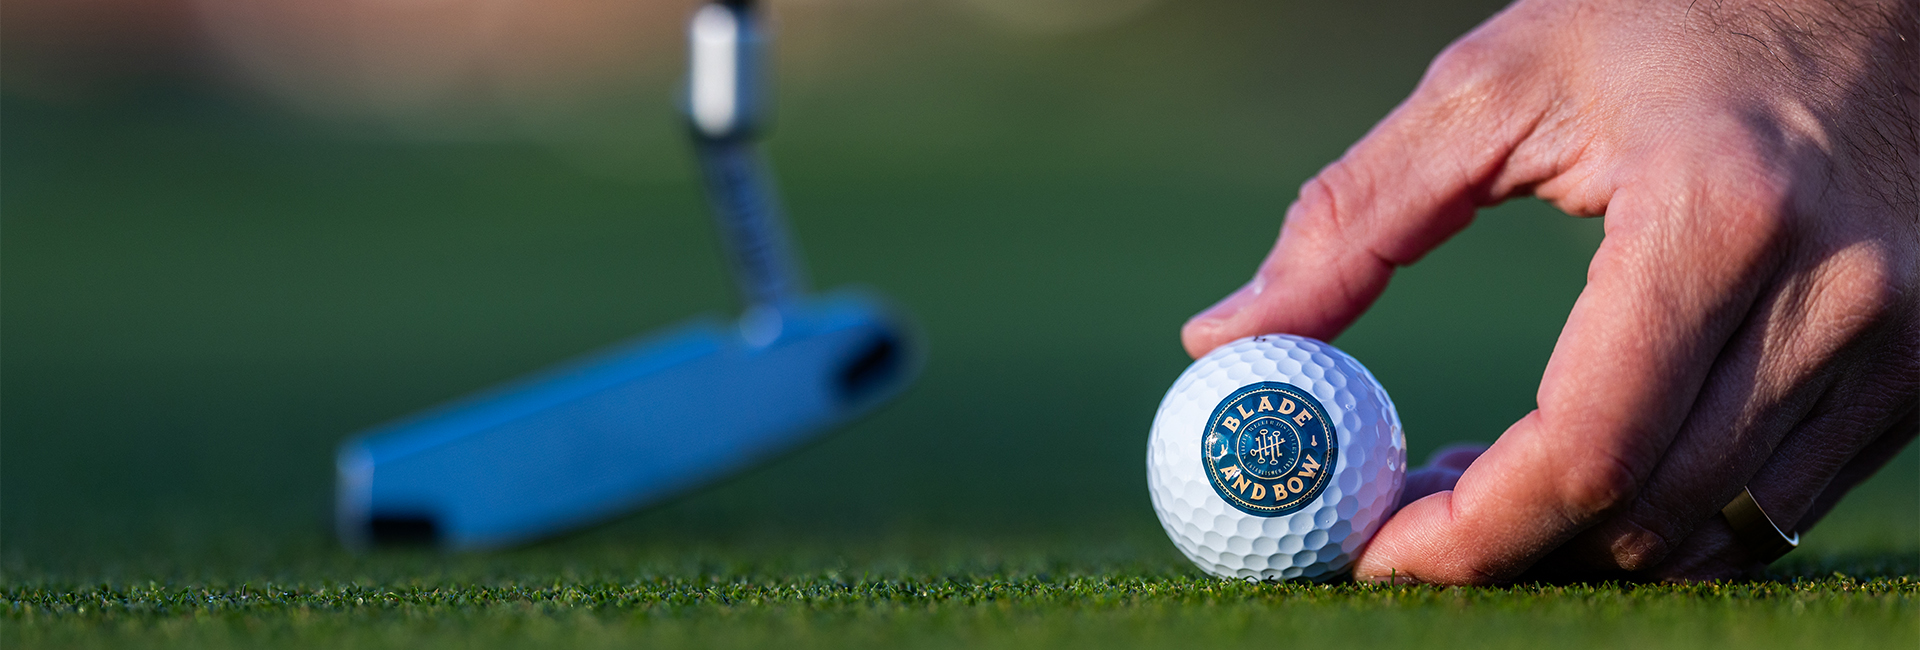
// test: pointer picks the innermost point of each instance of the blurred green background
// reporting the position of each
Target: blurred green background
(206, 289)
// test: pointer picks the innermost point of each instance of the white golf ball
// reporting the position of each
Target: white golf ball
(1275, 457)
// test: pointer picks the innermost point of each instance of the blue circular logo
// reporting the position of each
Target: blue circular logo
(1269, 449)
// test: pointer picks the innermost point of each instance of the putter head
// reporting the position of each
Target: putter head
(622, 429)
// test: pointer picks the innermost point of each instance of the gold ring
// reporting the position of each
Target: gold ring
(1756, 531)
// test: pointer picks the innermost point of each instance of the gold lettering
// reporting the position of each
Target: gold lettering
(1264, 404)
(1307, 465)
(1287, 406)
(1259, 491)
(1229, 473)
(1230, 423)
(1243, 411)
(1302, 418)
(1279, 492)
(1240, 484)
(1294, 484)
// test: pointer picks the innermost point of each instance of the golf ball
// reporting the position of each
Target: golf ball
(1275, 457)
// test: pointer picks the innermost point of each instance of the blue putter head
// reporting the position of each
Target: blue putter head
(656, 417)
(629, 427)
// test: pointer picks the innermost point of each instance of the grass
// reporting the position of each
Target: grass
(682, 577)
(1010, 612)
(203, 296)
(959, 595)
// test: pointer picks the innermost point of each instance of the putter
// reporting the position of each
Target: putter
(657, 417)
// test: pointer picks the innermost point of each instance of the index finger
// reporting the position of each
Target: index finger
(1410, 184)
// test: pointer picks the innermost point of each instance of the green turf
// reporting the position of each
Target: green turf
(960, 594)
(204, 293)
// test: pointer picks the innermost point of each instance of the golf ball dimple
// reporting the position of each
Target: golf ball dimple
(1275, 457)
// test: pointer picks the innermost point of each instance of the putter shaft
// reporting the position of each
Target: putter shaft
(725, 109)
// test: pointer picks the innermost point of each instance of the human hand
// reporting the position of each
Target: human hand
(1752, 318)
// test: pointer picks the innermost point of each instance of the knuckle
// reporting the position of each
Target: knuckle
(1316, 198)
(1615, 258)
(1756, 205)
(1637, 548)
(1740, 217)
(1468, 71)
(1860, 296)
(1331, 213)
(1868, 273)
(1322, 194)
(1733, 206)
(1594, 485)
(1325, 201)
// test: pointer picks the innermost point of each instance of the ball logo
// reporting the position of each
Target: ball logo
(1269, 449)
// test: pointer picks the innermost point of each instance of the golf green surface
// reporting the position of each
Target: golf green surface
(206, 291)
